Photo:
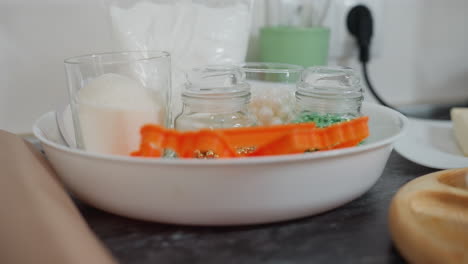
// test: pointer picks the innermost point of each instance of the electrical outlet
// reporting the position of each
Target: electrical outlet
(342, 44)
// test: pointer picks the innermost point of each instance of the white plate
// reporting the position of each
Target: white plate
(431, 143)
(225, 191)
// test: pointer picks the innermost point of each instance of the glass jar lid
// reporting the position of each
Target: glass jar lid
(216, 82)
(330, 82)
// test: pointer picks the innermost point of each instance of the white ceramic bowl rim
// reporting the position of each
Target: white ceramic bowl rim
(232, 161)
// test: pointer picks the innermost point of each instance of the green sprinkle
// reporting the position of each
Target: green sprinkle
(320, 120)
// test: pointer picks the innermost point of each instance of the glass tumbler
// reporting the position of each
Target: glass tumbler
(272, 86)
(112, 95)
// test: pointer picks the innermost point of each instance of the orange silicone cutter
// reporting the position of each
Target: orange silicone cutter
(339, 135)
(251, 141)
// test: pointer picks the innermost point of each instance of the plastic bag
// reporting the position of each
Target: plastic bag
(194, 32)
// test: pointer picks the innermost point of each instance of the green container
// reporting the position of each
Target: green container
(295, 45)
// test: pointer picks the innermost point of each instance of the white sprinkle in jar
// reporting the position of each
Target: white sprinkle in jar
(272, 86)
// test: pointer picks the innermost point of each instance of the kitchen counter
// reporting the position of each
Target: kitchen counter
(354, 233)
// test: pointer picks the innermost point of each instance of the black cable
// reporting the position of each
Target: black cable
(360, 25)
(371, 87)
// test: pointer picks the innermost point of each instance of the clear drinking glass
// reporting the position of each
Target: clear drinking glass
(112, 95)
(272, 86)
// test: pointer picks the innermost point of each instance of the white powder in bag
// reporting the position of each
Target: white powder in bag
(195, 34)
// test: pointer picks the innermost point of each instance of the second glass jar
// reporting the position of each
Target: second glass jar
(328, 95)
(215, 97)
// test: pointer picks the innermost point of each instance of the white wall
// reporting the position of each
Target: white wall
(423, 57)
(35, 37)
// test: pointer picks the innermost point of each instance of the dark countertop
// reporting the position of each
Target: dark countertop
(354, 233)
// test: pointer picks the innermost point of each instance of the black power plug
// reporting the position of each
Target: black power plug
(361, 26)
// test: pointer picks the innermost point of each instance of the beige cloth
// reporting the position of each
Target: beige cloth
(38, 221)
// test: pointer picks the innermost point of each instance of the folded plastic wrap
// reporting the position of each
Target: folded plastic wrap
(195, 32)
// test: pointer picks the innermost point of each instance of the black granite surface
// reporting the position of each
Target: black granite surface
(354, 233)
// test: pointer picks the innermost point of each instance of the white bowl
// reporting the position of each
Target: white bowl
(225, 191)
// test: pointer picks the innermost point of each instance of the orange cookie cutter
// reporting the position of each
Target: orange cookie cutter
(198, 144)
(251, 141)
(339, 135)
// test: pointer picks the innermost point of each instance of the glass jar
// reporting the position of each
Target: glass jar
(272, 86)
(328, 95)
(215, 97)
